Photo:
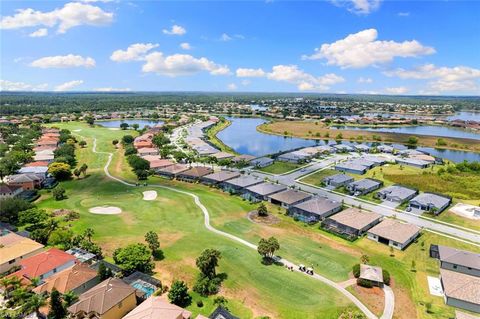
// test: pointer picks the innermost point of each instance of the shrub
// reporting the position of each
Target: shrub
(199, 304)
(386, 277)
(356, 270)
(364, 283)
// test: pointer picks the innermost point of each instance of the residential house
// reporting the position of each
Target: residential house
(294, 157)
(25, 181)
(261, 191)
(172, 171)
(44, 264)
(219, 178)
(430, 202)
(194, 174)
(338, 180)
(342, 148)
(38, 170)
(413, 162)
(160, 164)
(361, 148)
(315, 209)
(82, 255)
(457, 260)
(363, 186)
(351, 167)
(372, 274)
(15, 248)
(7, 191)
(37, 164)
(394, 233)
(243, 158)
(238, 185)
(50, 142)
(461, 290)
(289, 198)
(158, 308)
(376, 160)
(463, 315)
(262, 162)
(221, 313)
(396, 193)
(147, 151)
(385, 149)
(222, 155)
(110, 299)
(352, 222)
(77, 279)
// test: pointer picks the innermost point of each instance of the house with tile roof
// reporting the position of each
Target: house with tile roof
(219, 178)
(261, 191)
(430, 202)
(44, 264)
(9, 191)
(458, 260)
(15, 248)
(289, 197)
(373, 274)
(315, 209)
(239, 184)
(351, 223)
(461, 290)
(78, 279)
(194, 174)
(110, 299)
(158, 308)
(394, 233)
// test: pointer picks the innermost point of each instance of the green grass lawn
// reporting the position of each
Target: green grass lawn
(279, 167)
(252, 288)
(317, 178)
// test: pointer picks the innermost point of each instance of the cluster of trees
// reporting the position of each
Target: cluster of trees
(17, 148)
(463, 167)
(208, 281)
(267, 248)
(24, 301)
(140, 166)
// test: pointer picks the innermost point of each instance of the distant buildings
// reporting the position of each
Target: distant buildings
(15, 248)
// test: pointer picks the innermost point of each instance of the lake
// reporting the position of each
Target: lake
(243, 137)
(463, 115)
(116, 123)
(430, 130)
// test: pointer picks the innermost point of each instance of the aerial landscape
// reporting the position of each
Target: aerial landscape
(240, 159)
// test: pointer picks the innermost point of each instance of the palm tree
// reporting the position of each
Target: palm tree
(9, 284)
(34, 282)
(88, 233)
(33, 304)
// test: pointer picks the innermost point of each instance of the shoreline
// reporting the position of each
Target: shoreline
(217, 142)
(367, 136)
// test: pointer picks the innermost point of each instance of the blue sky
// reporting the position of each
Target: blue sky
(338, 46)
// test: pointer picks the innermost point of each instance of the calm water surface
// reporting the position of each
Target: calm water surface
(243, 137)
(116, 123)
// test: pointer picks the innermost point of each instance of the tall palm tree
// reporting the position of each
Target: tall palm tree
(33, 304)
(88, 233)
(69, 298)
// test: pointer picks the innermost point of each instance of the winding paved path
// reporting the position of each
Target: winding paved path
(206, 215)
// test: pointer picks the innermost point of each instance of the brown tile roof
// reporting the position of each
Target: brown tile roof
(372, 273)
(394, 230)
(174, 169)
(290, 196)
(355, 218)
(14, 246)
(197, 171)
(461, 286)
(160, 163)
(221, 176)
(156, 308)
(463, 315)
(102, 297)
(68, 279)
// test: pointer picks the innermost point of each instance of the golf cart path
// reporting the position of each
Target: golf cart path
(209, 227)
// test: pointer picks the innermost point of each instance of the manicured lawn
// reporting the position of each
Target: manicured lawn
(254, 289)
(280, 167)
(317, 178)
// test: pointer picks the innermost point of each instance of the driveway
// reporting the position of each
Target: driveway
(390, 204)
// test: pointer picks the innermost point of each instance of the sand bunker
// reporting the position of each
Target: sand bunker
(467, 211)
(149, 195)
(105, 210)
(114, 129)
(78, 130)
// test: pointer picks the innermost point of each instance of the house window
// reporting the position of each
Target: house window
(11, 261)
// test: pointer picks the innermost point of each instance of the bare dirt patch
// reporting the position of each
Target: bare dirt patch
(105, 210)
(404, 306)
(373, 297)
(265, 220)
(467, 211)
(149, 195)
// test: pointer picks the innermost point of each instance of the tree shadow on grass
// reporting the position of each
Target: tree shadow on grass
(158, 255)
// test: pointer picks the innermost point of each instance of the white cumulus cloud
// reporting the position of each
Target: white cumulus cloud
(292, 74)
(362, 49)
(364, 80)
(135, 52)
(250, 73)
(67, 86)
(175, 30)
(443, 79)
(358, 6)
(63, 61)
(72, 14)
(185, 46)
(42, 32)
(6, 85)
(232, 86)
(181, 64)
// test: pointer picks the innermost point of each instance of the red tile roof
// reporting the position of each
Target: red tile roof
(42, 263)
(35, 164)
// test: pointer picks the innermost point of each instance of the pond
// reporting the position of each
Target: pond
(430, 130)
(116, 123)
(244, 138)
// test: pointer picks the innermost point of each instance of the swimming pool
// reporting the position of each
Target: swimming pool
(147, 288)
